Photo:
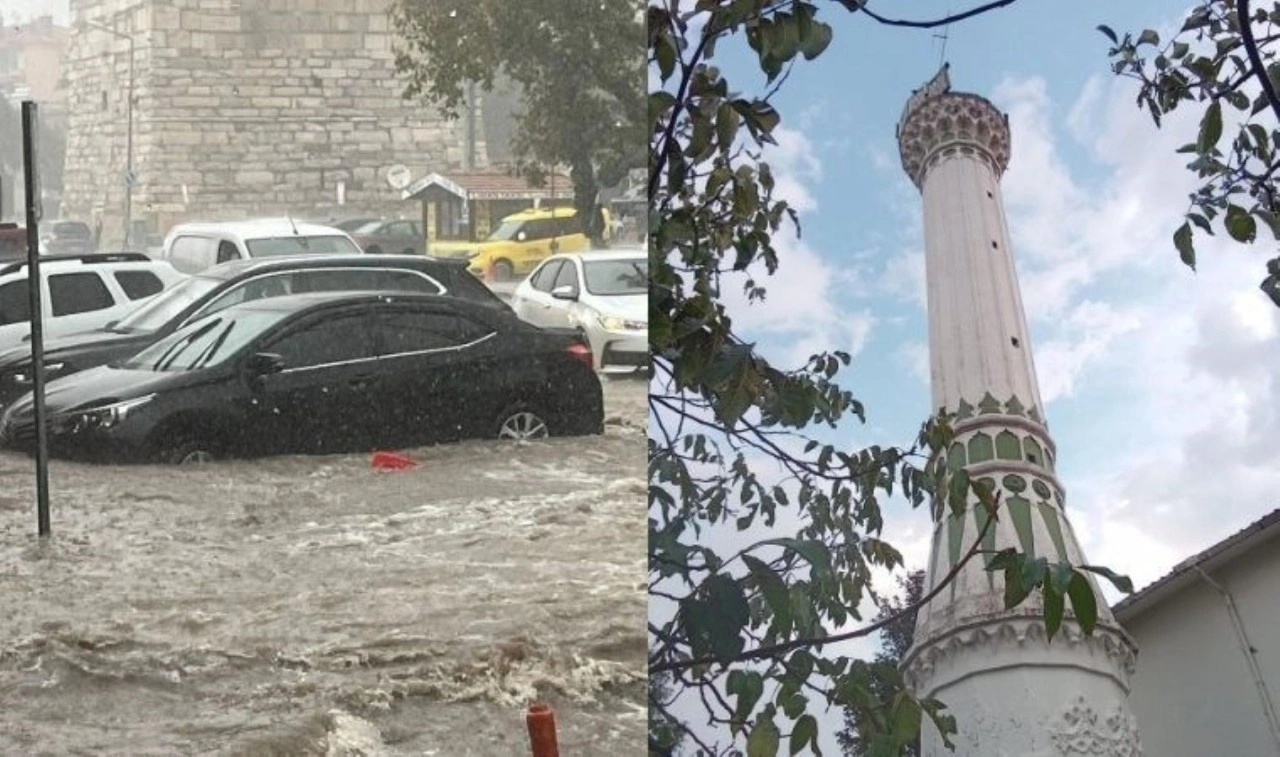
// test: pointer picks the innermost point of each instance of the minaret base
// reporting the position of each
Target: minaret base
(991, 676)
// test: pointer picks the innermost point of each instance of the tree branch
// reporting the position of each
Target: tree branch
(787, 646)
(1255, 59)
(861, 5)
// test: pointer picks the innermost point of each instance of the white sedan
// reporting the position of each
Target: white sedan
(604, 294)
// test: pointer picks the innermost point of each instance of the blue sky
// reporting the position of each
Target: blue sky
(1162, 387)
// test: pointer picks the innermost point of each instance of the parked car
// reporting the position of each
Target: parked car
(523, 240)
(350, 224)
(78, 293)
(232, 283)
(405, 237)
(66, 238)
(193, 247)
(604, 294)
(322, 373)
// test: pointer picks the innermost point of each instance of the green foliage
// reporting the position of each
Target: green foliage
(578, 65)
(1224, 51)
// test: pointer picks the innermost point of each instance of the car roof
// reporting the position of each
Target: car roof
(60, 262)
(234, 268)
(300, 302)
(530, 214)
(610, 254)
(258, 228)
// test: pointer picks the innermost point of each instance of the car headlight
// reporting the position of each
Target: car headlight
(103, 417)
(614, 323)
(28, 377)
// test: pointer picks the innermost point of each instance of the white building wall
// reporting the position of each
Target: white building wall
(1193, 693)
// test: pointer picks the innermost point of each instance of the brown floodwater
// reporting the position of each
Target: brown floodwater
(312, 606)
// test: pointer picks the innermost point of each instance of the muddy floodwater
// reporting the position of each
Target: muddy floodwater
(308, 605)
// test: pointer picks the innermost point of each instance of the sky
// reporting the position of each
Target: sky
(1162, 386)
(23, 10)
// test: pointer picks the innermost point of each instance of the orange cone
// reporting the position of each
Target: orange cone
(385, 461)
(542, 731)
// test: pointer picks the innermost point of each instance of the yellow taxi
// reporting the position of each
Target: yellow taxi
(525, 239)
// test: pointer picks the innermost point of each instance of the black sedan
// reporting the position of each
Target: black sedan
(322, 373)
(231, 283)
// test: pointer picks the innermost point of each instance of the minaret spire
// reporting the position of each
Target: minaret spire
(1013, 692)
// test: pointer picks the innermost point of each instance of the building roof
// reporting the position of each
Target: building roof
(1241, 542)
(490, 185)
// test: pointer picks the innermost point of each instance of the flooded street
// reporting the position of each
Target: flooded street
(310, 605)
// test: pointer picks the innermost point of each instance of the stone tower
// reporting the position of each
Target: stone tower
(244, 108)
(1013, 693)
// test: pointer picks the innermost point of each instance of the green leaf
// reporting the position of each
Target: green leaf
(1033, 573)
(1186, 250)
(1210, 127)
(660, 103)
(1111, 35)
(664, 49)
(813, 552)
(793, 704)
(715, 617)
(814, 39)
(1060, 577)
(1053, 610)
(1084, 602)
(773, 588)
(1179, 50)
(749, 687)
(1123, 583)
(1148, 37)
(805, 733)
(1240, 225)
(906, 720)
(764, 740)
(727, 123)
(1014, 593)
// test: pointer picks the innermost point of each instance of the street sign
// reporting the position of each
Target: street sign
(398, 176)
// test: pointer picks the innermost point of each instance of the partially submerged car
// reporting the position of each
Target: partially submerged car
(602, 294)
(230, 284)
(322, 373)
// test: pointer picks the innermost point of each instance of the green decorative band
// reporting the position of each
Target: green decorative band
(1020, 513)
(1014, 483)
(1051, 522)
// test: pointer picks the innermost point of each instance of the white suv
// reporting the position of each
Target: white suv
(193, 247)
(79, 292)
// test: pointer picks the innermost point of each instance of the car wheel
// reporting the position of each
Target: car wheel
(194, 451)
(521, 423)
(502, 271)
(373, 249)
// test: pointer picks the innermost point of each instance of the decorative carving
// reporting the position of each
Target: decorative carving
(953, 123)
(983, 636)
(1083, 731)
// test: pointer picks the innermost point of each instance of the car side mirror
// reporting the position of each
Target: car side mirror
(521, 236)
(565, 292)
(265, 363)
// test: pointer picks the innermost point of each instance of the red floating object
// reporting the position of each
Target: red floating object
(392, 461)
(542, 731)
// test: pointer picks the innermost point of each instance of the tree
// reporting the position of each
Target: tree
(577, 64)
(895, 639)
(1221, 62)
(744, 630)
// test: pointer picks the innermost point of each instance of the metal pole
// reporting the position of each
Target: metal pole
(470, 162)
(31, 167)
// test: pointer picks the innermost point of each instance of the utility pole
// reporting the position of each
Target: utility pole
(31, 165)
(129, 178)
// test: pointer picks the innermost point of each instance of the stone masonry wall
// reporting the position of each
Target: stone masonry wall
(257, 107)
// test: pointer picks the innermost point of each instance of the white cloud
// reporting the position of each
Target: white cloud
(795, 167)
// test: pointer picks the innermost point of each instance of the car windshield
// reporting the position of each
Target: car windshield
(273, 247)
(207, 342)
(166, 305)
(614, 278)
(367, 228)
(507, 230)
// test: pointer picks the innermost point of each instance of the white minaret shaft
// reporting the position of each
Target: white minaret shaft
(1013, 693)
